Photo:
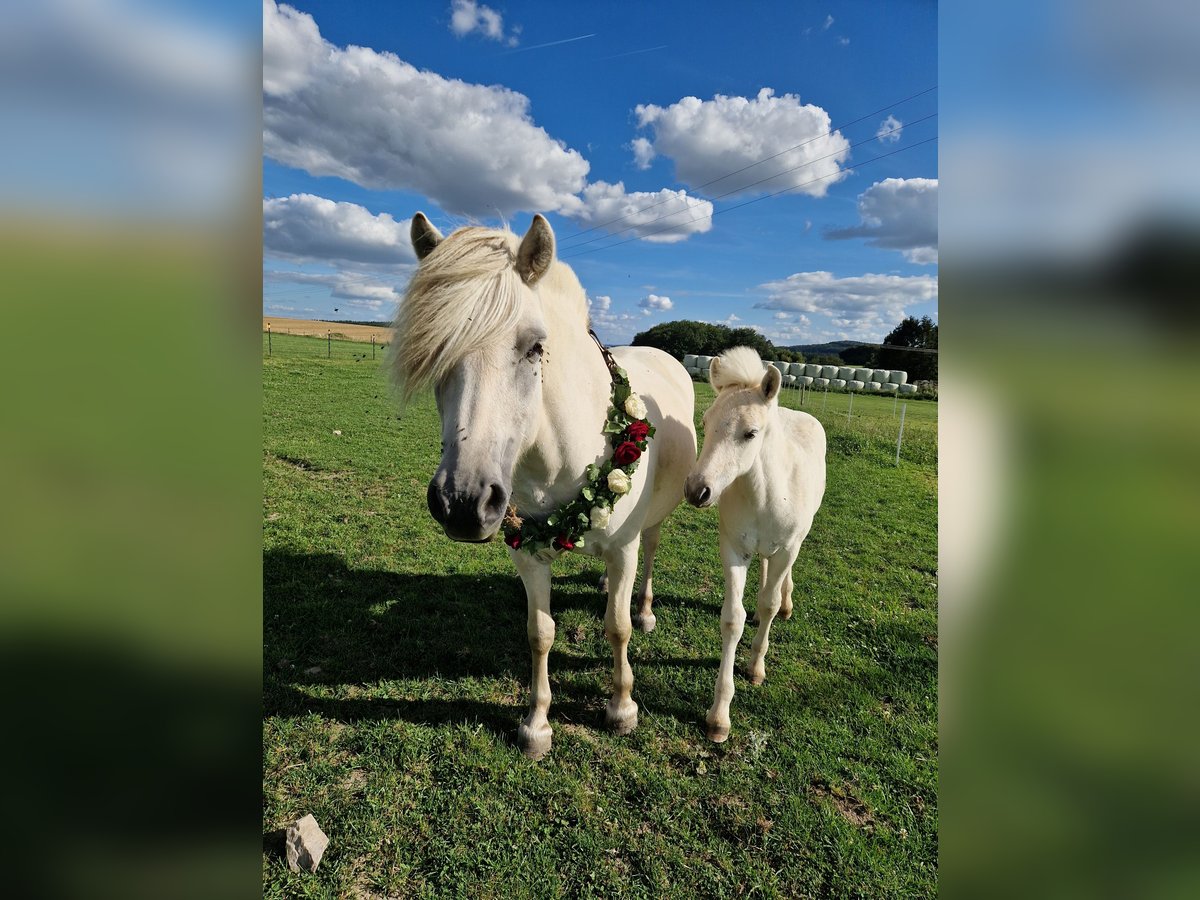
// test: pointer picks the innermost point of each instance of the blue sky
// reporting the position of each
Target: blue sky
(618, 131)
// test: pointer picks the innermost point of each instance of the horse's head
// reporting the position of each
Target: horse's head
(471, 326)
(735, 424)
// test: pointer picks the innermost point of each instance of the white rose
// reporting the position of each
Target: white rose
(635, 407)
(618, 482)
(600, 516)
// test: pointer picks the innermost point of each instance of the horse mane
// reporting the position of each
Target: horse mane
(741, 367)
(461, 295)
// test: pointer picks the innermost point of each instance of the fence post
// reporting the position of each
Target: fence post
(850, 408)
(329, 345)
(824, 399)
(900, 437)
(268, 339)
(372, 346)
(895, 400)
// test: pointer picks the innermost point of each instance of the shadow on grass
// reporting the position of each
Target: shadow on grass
(330, 625)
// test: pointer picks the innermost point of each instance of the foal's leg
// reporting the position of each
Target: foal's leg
(785, 597)
(770, 595)
(644, 617)
(733, 621)
(534, 735)
(622, 713)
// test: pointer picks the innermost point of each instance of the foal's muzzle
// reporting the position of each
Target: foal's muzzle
(468, 511)
(698, 491)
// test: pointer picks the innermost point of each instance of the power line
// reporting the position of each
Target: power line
(759, 162)
(748, 202)
(739, 190)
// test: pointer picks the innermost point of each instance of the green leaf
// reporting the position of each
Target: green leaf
(587, 493)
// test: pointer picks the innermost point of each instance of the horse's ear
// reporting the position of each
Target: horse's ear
(536, 252)
(714, 366)
(424, 236)
(772, 380)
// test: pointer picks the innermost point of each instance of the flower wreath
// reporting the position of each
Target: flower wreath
(605, 483)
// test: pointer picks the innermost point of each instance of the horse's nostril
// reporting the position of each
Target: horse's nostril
(497, 500)
(705, 493)
(438, 507)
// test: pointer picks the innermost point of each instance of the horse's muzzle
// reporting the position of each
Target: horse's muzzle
(698, 491)
(474, 515)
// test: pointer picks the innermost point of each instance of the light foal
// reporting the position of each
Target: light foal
(499, 329)
(765, 466)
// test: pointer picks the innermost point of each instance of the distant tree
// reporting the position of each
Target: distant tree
(862, 355)
(920, 334)
(826, 359)
(682, 337)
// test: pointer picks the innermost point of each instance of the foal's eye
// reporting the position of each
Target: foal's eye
(534, 352)
(750, 435)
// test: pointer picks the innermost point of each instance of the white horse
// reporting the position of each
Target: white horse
(766, 467)
(499, 329)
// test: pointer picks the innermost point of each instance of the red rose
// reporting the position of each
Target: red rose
(626, 453)
(513, 540)
(637, 431)
(562, 542)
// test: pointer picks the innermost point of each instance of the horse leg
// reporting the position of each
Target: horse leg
(770, 595)
(534, 735)
(785, 597)
(762, 579)
(622, 713)
(644, 617)
(733, 621)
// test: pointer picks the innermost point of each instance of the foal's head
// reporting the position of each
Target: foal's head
(735, 424)
(472, 327)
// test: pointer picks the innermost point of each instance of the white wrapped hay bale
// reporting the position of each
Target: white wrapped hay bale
(689, 361)
(811, 370)
(873, 386)
(863, 375)
(704, 362)
(830, 372)
(887, 387)
(781, 366)
(898, 377)
(907, 388)
(789, 380)
(845, 373)
(855, 385)
(806, 380)
(820, 382)
(880, 375)
(838, 383)
(797, 369)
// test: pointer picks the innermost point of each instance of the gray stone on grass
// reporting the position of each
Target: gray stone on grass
(305, 843)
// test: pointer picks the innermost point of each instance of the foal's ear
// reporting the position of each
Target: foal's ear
(536, 252)
(714, 369)
(424, 236)
(772, 379)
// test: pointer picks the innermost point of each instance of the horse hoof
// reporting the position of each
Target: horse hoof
(602, 584)
(718, 734)
(534, 743)
(785, 614)
(621, 721)
(644, 623)
(756, 677)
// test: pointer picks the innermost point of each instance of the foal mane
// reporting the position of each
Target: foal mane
(463, 294)
(741, 367)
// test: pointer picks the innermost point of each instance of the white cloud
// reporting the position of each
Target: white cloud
(361, 290)
(890, 130)
(614, 327)
(709, 139)
(467, 16)
(899, 214)
(654, 303)
(599, 304)
(844, 41)
(828, 22)
(307, 227)
(862, 307)
(661, 217)
(375, 120)
(643, 152)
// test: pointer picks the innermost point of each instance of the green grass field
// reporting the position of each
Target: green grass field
(396, 667)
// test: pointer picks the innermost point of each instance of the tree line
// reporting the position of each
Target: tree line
(683, 337)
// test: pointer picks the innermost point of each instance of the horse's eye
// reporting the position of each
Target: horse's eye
(751, 434)
(534, 352)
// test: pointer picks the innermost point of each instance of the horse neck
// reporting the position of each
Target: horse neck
(576, 391)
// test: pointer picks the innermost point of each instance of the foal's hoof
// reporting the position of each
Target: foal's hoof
(534, 742)
(756, 677)
(785, 614)
(621, 720)
(718, 734)
(644, 623)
